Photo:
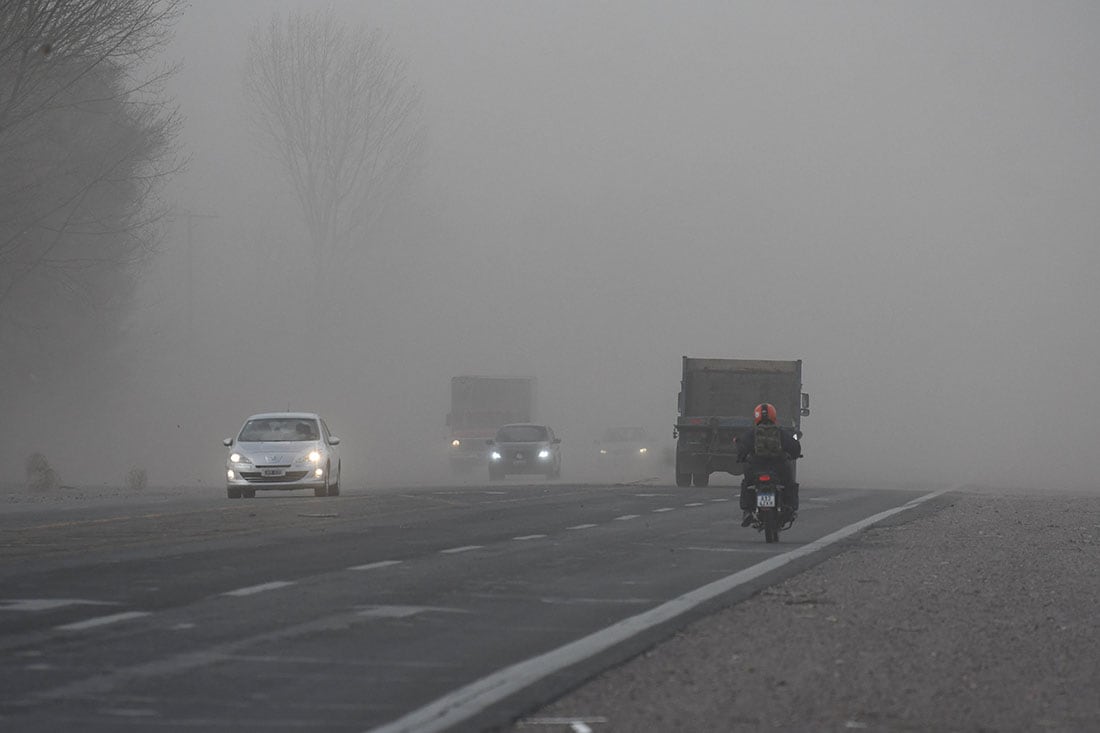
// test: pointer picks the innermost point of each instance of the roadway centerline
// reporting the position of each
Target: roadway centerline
(529, 537)
(625, 517)
(664, 509)
(583, 526)
(464, 548)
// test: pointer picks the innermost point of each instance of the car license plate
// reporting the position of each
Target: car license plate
(274, 472)
(765, 499)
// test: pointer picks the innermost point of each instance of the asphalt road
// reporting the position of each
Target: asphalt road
(390, 608)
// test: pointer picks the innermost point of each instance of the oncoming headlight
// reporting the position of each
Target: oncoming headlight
(544, 454)
(643, 450)
(495, 456)
(455, 443)
(314, 456)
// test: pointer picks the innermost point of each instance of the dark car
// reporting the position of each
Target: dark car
(524, 448)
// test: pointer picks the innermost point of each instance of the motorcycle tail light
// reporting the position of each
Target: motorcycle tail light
(765, 477)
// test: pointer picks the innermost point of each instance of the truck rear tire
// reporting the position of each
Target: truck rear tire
(701, 479)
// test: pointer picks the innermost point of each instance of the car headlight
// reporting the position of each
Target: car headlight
(455, 443)
(544, 454)
(603, 451)
(314, 456)
(238, 458)
(494, 456)
(643, 450)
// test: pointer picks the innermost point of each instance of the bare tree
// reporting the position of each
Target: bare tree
(84, 138)
(337, 108)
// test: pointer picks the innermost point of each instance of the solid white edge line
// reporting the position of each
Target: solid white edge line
(471, 699)
(102, 620)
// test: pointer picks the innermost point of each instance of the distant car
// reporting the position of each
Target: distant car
(523, 448)
(625, 446)
(282, 451)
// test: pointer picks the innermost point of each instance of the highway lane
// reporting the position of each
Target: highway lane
(290, 612)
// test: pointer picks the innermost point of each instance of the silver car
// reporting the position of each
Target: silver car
(524, 448)
(282, 451)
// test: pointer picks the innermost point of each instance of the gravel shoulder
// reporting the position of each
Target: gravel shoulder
(982, 616)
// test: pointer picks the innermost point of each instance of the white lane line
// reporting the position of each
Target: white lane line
(580, 727)
(664, 509)
(253, 589)
(625, 517)
(373, 565)
(719, 499)
(47, 604)
(465, 702)
(695, 503)
(583, 526)
(465, 548)
(529, 537)
(103, 620)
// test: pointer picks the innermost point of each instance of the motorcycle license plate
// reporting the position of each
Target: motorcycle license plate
(765, 499)
(274, 472)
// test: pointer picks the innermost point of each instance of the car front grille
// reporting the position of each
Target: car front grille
(254, 477)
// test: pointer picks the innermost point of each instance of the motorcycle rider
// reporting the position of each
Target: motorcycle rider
(768, 446)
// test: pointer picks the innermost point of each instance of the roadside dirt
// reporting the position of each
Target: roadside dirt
(984, 616)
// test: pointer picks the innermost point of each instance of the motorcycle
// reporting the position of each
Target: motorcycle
(770, 512)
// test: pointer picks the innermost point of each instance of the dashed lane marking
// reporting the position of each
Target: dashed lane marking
(694, 503)
(583, 526)
(374, 565)
(625, 517)
(664, 509)
(102, 620)
(529, 537)
(47, 604)
(465, 548)
(253, 589)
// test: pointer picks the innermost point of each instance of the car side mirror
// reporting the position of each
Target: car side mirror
(227, 442)
(333, 440)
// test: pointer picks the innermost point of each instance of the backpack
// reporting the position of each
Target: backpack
(768, 442)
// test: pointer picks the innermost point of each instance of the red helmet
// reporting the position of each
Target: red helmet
(764, 412)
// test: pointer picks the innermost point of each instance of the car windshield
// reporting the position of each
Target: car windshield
(279, 429)
(521, 434)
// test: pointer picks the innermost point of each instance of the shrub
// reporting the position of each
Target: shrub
(136, 479)
(40, 475)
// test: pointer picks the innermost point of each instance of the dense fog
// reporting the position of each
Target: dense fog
(903, 195)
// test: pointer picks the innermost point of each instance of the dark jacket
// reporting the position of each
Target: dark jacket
(747, 439)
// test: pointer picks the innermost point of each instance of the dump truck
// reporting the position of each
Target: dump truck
(716, 402)
(480, 405)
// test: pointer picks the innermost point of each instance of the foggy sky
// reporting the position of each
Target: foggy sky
(903, 195)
